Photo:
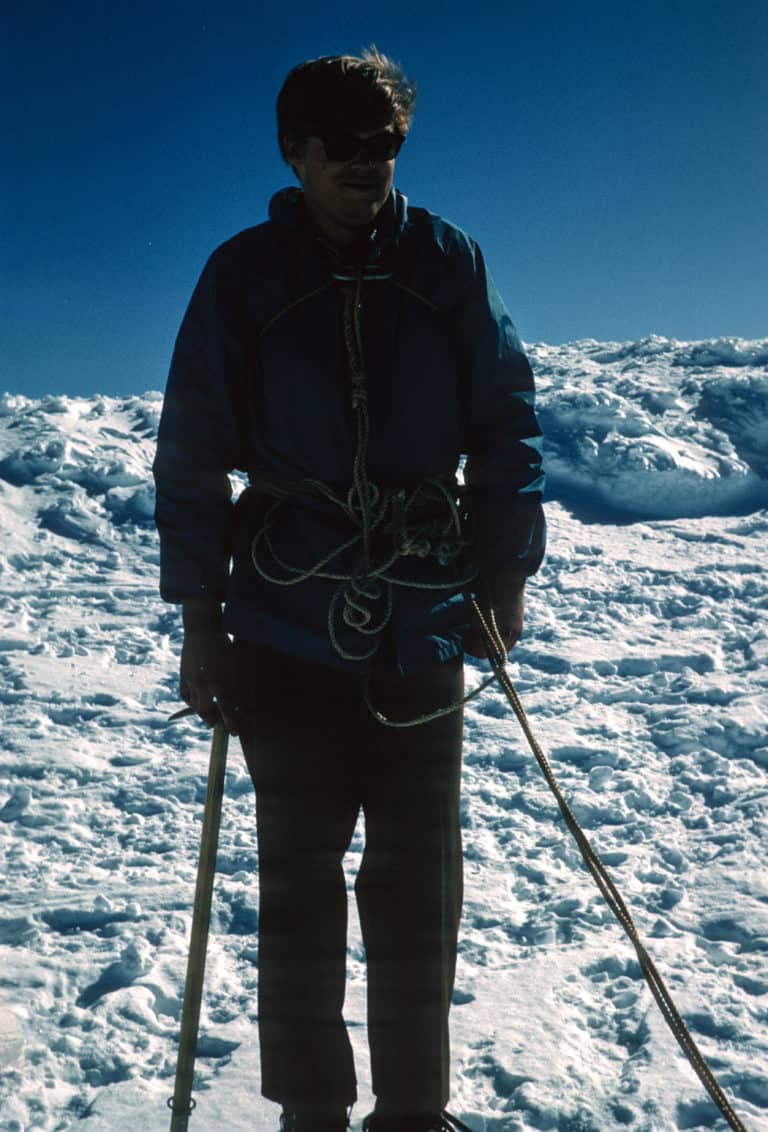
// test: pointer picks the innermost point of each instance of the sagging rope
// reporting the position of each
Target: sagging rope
(497, 655)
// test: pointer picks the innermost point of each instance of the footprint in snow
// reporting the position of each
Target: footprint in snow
(751, 986)
(101, 920)
(17, 805)
(208, 1046)
(483, 1063)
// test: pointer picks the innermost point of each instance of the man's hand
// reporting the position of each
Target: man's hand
(508, 599)
(208, 678)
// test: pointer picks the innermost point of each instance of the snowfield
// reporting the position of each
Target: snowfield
(644, 670)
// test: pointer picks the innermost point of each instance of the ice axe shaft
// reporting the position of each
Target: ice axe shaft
(181, 1103)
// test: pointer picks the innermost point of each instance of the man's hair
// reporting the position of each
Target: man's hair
(343, 91)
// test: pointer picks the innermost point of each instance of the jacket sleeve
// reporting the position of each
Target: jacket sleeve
(199, 440)
(503, 472)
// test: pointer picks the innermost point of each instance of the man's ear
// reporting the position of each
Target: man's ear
(292, 150)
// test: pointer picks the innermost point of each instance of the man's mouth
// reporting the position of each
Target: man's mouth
(364, 184)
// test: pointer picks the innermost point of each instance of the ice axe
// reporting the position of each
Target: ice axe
(181, 1103)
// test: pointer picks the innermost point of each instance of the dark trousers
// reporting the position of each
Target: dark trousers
(316, 756)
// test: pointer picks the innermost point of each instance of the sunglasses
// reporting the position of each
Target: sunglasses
(343, 145)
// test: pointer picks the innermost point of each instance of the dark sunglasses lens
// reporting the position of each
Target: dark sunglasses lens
(383, 146)
(341, 147)
(345, 146)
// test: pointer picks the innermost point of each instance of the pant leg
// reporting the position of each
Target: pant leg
(409, 889)
(307, 802)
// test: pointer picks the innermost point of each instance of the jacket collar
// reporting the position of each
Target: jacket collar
(288, 210)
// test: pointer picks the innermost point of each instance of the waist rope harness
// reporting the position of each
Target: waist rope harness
(420, 522)
(413, 526)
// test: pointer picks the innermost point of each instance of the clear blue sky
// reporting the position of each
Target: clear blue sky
(611, 159)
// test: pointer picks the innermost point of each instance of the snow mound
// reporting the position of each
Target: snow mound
(655, 428)
(101, 446)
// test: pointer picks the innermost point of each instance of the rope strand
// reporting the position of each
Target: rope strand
(498, 657)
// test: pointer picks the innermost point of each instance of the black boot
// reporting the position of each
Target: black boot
(307, 1120)
(414, 1122)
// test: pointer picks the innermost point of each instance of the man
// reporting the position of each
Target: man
(345, 354)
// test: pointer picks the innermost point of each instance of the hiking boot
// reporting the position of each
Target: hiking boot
(308, 1121)
(414, 1122)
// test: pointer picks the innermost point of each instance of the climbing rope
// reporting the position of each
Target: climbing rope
(368, 584)
(497, 654)
(408, 525)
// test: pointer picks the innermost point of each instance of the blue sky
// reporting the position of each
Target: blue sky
(610, 158)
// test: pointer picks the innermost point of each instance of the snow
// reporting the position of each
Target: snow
(657, 428)
(643, 670)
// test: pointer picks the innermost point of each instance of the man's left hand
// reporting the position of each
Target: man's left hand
(508, 600)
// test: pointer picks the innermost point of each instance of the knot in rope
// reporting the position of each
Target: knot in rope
(359, 397)
(418, 548)
(356, 614)
(362, 501)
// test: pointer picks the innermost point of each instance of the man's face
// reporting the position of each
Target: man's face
(343, 195)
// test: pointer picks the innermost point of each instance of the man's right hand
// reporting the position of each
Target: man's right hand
(208, 678)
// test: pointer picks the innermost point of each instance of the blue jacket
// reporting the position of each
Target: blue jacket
(261, 382)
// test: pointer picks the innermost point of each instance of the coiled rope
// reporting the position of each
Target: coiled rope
(363, 598)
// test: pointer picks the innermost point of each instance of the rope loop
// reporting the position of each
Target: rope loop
(419, 523)
(362, 500)
(356, 613)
